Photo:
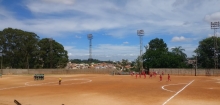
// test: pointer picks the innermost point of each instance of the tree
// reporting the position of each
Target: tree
(137, 65)
(158, 56)
(205, 52)
(179, 51)
(180, 56)
(22, 49)
(52, 54)
(124, 63)
(155, 57)
(18, 46)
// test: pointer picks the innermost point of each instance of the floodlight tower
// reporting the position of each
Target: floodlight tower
(215, 26)
(90, 37)
(140, 33)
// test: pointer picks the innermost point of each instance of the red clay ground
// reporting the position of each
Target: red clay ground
(83, 89)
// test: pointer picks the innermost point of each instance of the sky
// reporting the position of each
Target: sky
(113, 24)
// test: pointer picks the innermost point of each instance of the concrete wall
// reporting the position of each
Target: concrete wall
(199, 72)
(172, 71)
(55, 71)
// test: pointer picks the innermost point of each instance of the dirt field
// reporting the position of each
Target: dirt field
(106, 89)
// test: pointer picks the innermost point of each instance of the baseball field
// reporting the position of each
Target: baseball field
(104, 89)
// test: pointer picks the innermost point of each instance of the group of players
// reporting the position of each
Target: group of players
(41, 77)
(38, 76)
(151, 74)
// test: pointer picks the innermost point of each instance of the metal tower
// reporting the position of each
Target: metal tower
(140, 33)
(90, 37)
(215, 26)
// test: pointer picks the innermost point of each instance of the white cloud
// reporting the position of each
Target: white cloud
(179, 39)
(60, 1)
(53, 18)
(125, 42)
(76, 15)
(78, 37)
(213, 17)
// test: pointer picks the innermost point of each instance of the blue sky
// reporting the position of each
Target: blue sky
(113, 23)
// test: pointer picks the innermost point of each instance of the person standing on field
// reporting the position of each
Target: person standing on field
(150, 75)
(169, 77)
(160, 77)
(136, 75)
(60, 81)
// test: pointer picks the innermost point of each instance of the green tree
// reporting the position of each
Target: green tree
(137, 65)
(205, 52)
(24, 49)
(155, 57)
(18, 46)
(158, 56)
(124, 63)
(180, 56)
(52, 54)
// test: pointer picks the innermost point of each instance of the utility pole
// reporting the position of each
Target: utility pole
(215, 26)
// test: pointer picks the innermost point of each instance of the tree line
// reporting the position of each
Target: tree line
(22, 49)
(157, 55)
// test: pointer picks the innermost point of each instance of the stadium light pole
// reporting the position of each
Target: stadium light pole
(215, 26)
(140, 33)
(90, 37)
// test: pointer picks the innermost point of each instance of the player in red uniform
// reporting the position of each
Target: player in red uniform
(136, 75)
(144, 75)
(139, 74)
(160, 77)
(169, 77)
(150, 75)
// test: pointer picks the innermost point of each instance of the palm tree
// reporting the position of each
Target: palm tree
(179, 51)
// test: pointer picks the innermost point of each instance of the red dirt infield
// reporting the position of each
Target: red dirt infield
(97, 89)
